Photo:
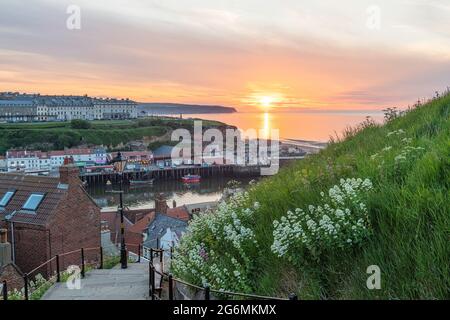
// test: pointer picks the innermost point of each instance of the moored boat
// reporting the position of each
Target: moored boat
(141, 182)
(191, 178)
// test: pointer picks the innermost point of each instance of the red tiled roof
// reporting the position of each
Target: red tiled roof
(70, 152)
(24, 186)
(113, 220)
(140, 226)
(179, 213)
(26, 154)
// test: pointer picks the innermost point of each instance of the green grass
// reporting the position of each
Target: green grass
(110, 133)
(409, 211)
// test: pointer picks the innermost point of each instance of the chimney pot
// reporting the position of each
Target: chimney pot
(69, 174)
(161, 204)
(3, 236)
(5, 249)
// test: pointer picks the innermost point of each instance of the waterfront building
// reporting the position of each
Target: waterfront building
(31, 161)
(26, 161)
(81, 156)
(134, 158)
(46, 216)
(3, 164)
(17, 107)
(163, 156)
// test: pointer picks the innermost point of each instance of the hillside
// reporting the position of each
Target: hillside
(59, 135)
(177, 108)
(379, 197)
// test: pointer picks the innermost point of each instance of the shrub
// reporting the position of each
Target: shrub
(340, 221)
(80, 124)
(228, 228)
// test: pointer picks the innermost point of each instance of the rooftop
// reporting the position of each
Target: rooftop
(23, 99)
(23, 186)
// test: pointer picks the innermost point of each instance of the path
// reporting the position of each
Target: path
(113, 284)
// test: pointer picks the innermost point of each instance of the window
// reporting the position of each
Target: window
(6, 198)
(33, 201)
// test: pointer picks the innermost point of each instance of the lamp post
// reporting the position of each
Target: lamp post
(119, 163)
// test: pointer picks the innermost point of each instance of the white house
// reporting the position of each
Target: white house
(24, 160)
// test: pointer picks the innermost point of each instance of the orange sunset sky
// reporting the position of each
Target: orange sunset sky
(350, 54)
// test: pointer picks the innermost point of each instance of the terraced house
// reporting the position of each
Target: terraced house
(46, 216)
(17, 107)
(32, 160)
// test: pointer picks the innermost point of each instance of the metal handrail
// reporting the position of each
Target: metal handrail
(70, 252)
(41, 265)
(207, 289)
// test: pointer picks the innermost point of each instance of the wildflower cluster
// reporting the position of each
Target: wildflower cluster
(225, 230)
(340, 221)
(37, 287)
(392, 157)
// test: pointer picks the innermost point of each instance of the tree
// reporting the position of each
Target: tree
(80, 124)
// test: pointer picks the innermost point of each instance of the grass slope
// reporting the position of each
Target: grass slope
(60, 135)
(409, 211)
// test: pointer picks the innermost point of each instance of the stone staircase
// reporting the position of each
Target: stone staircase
(113, 284)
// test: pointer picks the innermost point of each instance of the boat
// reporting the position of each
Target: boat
(141, 182)
(191, 178)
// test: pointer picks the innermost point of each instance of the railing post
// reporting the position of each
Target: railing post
(157, 243)
(153, 281)
(150, 278)
(293, 296)
(170, 287)
(82, 262)
(101, 257)
(25, 283)
(5, 290)
(161, 259)
(58, 274)
(207, 292)
(151, 255)
(139, 253)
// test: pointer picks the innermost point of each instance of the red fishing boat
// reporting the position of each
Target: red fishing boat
(191, 178)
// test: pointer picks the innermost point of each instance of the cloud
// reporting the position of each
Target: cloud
(314, 54)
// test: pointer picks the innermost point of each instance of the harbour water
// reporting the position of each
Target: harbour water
(305, 125)
(143, 197)
(314, 126)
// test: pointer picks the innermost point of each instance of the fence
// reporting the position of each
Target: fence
(155, 290)
(52, 268)
(36, 281)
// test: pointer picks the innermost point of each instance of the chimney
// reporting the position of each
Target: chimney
(69, 173)
(5, 249)
(161, 204)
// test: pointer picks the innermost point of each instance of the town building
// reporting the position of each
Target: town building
(17, 107)
(35, 160)
(135, 159)
(46, 216)
(147, 228)
(26, 160)
(81, 156)
(3, 164)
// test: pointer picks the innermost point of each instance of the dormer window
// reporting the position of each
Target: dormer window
(33, 202)
(7, 198)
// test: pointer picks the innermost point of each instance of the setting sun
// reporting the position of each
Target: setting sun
(266, 101)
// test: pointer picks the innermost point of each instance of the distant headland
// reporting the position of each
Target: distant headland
(177, 108)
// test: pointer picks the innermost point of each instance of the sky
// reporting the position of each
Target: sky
(323, 54)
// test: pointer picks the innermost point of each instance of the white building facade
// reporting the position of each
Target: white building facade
(29, 161)
(25, 107)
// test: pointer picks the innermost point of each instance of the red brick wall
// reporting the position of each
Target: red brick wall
(76, 225)
(13, 278)
(31, 246)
